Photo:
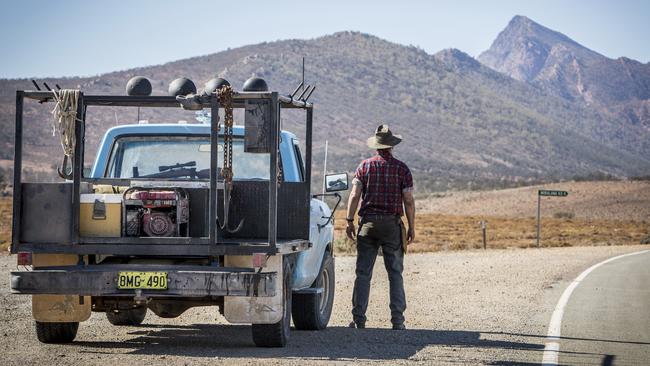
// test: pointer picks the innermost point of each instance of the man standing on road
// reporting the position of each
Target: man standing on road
(385, 186)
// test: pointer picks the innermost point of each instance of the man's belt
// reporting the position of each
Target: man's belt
(380, 216)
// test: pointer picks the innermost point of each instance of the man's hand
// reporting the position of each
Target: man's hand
(350, 230)
(353, 202)
(410, 235)
(409, 207)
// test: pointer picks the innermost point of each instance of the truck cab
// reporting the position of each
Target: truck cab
(146, 147)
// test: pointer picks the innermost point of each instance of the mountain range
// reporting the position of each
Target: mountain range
(536, 106)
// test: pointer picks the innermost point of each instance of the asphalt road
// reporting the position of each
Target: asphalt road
(607, 318)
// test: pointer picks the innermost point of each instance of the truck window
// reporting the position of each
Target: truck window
(139, 156)
(301, 166)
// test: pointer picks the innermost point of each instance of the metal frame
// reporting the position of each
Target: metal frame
(192, 246)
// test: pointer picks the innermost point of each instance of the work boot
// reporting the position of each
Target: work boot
(359, 325)
(399, 326)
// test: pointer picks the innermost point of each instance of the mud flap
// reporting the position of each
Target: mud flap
(58, 308)
(252, 309)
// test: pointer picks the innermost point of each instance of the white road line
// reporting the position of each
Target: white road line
(552, 347)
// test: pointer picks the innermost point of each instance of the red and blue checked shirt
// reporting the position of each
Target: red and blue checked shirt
(383, 179)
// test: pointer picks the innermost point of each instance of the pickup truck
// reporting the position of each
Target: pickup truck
(151, 228)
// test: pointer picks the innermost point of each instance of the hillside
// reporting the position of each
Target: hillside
(530, 52)
(462, 122)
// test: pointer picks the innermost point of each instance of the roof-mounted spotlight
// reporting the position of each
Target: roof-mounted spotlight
(181, 86)
(138, 85)
(255, 84)
(213, 85)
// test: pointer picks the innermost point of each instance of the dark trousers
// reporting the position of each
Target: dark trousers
(375, 232)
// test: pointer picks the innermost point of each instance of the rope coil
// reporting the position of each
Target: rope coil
(65, 116)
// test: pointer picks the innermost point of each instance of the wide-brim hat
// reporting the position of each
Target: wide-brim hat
(383, 138)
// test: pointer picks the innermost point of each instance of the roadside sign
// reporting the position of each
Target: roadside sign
(545, 192)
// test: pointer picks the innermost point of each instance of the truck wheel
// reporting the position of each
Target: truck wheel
(56, 332)
(277, 334)
(313, 311)
(133, 316)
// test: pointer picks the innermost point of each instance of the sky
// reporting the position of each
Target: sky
(84, 38)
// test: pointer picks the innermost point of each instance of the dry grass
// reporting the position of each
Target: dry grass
(436, 232)
(5, 223)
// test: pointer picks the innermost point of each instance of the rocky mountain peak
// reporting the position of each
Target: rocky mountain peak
(528, 51)
(523, 48)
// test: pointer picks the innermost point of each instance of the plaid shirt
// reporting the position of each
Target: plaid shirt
(383, 179)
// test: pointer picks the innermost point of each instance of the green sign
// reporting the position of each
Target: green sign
(543, 192)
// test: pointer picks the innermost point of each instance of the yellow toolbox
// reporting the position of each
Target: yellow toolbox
(100, 215)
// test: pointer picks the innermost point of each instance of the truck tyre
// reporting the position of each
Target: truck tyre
(133, 316)
(56, 332)
(277, 334)
(313, 311)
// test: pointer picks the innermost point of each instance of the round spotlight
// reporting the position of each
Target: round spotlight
(255, 84)
(214, 84)
(138, 85)
(181, 86)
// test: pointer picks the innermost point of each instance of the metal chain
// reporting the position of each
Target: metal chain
(225, 99)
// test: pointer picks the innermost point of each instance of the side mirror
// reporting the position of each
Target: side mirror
(336, 182)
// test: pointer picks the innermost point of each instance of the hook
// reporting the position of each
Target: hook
(235, 230)
(226, 211)
(64, 171)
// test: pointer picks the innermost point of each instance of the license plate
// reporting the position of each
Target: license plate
(142, 280)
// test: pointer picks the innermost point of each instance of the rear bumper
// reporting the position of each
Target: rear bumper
(182, 281)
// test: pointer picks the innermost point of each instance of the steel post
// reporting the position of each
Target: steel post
(325, 166)
(78, 167)
(308, 147)
(18, 165)
(539, 218)
(484, 229)
(214, 157)
(273, 178)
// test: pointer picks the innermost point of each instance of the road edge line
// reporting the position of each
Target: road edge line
(552, 345)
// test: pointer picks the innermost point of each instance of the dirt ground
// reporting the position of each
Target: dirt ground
(464, 307)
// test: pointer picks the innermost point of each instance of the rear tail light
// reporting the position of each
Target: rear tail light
(24, 259)
(259, 259)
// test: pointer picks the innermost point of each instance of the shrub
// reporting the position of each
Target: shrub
(343, 245)
(564, 215)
